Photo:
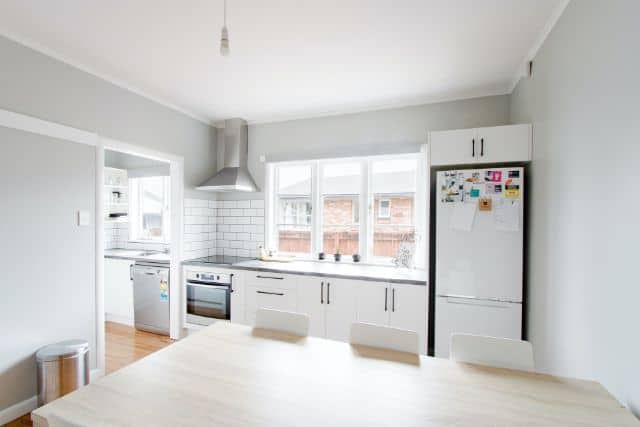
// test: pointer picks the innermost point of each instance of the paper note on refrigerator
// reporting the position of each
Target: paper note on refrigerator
(462, 216)
(506, 215)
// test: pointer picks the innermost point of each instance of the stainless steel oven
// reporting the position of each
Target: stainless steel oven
(208, 297)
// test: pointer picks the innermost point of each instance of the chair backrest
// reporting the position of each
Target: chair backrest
(284, 321)
(384, 337)
(491, 351)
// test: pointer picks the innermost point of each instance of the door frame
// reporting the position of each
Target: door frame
(176, 172)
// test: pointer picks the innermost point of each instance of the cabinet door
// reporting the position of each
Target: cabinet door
(311, 301)
(237, 297)
(453, 147)
(277, 298)
(340, 308)
(372, 303)
(118, 291)
(409, 310)
(505, 143)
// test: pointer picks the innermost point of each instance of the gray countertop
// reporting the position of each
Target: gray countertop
(331, 269)
(137, 255)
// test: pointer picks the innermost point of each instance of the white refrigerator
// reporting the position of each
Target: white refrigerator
(478, 254)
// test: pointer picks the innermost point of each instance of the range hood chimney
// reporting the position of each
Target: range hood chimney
(234, 175)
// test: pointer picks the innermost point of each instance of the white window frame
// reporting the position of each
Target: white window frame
(388, 215)
(365, 205)
(136, 217)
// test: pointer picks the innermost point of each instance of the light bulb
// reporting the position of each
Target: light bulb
(224, 42)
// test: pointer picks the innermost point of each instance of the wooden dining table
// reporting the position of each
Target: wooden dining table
(233, 375)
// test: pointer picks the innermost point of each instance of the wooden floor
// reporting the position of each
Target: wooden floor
(124, 345)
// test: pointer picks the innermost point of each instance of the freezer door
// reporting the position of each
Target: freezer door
(478, 317)
(151, 298)
(486, 261)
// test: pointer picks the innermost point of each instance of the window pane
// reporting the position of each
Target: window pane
(394, 176)
(294, 180)
(294, 224)
(393, 220)
(387, 239)
(341, 224)
(341, 178)
(152, 207)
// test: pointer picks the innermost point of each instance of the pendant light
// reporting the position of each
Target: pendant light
(224, 37)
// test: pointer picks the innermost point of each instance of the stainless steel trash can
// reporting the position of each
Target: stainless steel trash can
(62, 368)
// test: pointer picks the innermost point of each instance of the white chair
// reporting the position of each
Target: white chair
(490, 351)
(283, 321)
(384, 337)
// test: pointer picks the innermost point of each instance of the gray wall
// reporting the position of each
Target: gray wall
(40, 86)
(583, 286)
(47, 261)
(398, 130)
(44, 184)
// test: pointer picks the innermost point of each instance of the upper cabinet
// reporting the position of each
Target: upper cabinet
(498, 144)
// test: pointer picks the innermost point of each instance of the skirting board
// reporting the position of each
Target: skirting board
(26, 406)
(108, 317)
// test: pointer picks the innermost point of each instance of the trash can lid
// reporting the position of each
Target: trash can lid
(63, 349)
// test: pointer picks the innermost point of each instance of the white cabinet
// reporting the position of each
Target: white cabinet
(118, 290)
(330, 304)
(395, 305)
(237, 297)
(269, 290)
(498, 144)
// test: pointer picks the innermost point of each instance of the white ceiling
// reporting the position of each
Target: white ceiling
(289, 58)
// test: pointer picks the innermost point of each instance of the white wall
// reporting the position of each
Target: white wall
(398, 130)
(47, 261)
(583, 103)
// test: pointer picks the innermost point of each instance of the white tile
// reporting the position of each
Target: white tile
(235, 228)
(251, 245)
(222, 244)
(213, 251)
(230, 236)
(242, 204)
(257, 204)
(229, 204)
(223, 227)
(257, 220)
(218, 220)
(230, 252)
(213, 204)
(249, 212)
(242, 252)
(243, 236)
(235, 212)
(257, 237)
(224, 212)
(259, 212)
(236, 244)
(219, 235)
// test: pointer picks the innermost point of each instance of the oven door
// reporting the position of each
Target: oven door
(207, 302)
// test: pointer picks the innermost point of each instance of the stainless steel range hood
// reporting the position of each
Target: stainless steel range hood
(234, 175)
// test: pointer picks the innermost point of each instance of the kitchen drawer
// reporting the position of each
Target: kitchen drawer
(278, 280)
(275, 297)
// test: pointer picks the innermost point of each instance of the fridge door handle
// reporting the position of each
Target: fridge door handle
(475, 301)
(473, 147)
(481, 147)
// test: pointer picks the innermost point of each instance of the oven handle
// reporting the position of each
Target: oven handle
(202, 285)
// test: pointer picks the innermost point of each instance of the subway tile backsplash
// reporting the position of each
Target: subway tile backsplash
(222, 227)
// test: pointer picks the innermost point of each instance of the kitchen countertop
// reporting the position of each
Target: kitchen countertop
(330, 269)
(137, 255)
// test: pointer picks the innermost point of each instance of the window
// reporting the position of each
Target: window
(340, 184)
(294, 209)
(384, 208)
(393, 184)
(366, 206)
(149, 208)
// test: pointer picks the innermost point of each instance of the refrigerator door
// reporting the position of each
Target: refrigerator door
(479, 249)
(478, 317)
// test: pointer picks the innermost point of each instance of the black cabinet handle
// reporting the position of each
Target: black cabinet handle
(393, 299)
(328, 293)
(385, 298)
(131, 272)
(473, 148)
(481, 147)
(321, 292)
(270, 277)
(270, 293)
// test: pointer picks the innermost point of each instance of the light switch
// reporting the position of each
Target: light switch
(83, 218)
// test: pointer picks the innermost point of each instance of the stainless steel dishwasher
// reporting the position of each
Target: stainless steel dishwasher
(151, 297)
